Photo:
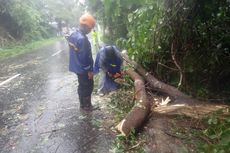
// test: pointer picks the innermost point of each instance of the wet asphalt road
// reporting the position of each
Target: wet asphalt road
(39, 108)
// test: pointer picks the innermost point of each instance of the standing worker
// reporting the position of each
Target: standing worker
(81, 61)
(109, 60)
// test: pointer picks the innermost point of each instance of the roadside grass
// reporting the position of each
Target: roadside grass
(22, 48)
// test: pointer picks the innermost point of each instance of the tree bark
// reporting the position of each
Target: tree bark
(140, 111)
(155, 83)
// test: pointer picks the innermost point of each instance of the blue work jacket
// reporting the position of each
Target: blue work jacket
(105, 65)
(80, 60)
(107, 83)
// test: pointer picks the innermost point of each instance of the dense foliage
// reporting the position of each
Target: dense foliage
(22, 19)
(184, 43)
(217, 132)
(30, 19)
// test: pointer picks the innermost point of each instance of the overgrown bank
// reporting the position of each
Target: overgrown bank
(21, 48)
(183, 43)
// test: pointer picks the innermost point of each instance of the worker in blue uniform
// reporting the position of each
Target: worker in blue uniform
(109, 61)
(81, 61)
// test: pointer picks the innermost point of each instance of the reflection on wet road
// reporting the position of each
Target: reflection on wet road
(39, 108)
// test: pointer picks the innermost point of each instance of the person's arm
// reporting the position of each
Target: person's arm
(72, 43)
(96, 68)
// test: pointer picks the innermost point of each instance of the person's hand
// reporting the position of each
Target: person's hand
(90, 75)
(117, 75)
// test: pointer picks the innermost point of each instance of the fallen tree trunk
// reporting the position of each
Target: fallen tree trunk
(155, 83)
(140, 111)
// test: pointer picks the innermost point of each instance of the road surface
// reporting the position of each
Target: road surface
(39, 108)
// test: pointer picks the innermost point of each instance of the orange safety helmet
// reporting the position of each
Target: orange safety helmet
(88, 20)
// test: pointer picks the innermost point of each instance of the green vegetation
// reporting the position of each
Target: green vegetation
(121, 103)
(24, 48)
(184, 43)
(210, 134)
(217, 133)
(27, 24)
(23, 20)
(29, 20)
(123, 144)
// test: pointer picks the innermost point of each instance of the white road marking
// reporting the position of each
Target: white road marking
(57, 53)
(8, 80)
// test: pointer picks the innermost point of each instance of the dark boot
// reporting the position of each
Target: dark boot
(87, 103)
(81, 100)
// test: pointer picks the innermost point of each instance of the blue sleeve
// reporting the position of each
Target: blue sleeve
(96, 65)
(85, 54)
(70, 39)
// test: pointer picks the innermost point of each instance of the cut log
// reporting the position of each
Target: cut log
(155, 83)
(140, 111)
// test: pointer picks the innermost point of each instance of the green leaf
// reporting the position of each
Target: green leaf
(225, 137)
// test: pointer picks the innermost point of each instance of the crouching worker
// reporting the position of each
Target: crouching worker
(109, 61)
(81, 61)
